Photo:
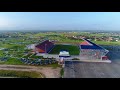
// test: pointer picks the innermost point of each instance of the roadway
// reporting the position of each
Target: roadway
(77, 69)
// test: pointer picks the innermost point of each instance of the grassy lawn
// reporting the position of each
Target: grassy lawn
(28, 55)
(54, 65)
(12, 61)
(62, 72)
(73, 50)
(20, 74)
(106, 43)
(1, 53)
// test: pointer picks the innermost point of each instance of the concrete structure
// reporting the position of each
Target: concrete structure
(91, 51)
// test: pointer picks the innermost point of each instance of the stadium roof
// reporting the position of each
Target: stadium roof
(89, 45)
(85, 43)
(46, 44)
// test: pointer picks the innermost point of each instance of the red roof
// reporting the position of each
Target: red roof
(85, 43)
(45, 45)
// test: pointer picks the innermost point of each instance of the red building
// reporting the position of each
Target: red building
(44, 47)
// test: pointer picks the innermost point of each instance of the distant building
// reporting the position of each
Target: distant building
(31, 46)
(116, 39)
(109, 39)
(44, 47)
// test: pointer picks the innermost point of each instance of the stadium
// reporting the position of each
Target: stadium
(49, 47)
(86, 50)
(91, 51)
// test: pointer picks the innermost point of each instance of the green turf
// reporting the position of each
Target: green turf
(73, 50)
(54, 65)
(106, 43)
(12, 61)
(19, 74)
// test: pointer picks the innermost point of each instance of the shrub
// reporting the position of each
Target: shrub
(75, 59)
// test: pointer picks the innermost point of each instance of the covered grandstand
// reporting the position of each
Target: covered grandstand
(91, 51)
(44, 47)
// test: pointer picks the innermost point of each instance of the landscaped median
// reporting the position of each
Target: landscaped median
(20, 74)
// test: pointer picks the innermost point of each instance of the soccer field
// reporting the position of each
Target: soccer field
(73, 50)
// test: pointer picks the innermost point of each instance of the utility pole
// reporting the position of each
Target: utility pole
(45, 48)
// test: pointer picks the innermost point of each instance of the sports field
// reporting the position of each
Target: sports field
(73, 50)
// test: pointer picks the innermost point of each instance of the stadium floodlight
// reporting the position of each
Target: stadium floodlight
(45, 48)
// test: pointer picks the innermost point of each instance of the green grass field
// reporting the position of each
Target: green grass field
(20, 74)
(73, 50)
(12, 61)
(106, 43)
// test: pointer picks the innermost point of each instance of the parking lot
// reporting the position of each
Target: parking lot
(76, 69)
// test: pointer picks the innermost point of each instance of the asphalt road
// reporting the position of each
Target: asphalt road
(76, 69)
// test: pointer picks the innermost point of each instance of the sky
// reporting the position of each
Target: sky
(60, 21)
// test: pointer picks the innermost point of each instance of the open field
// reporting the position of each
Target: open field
(106, 43)
(46, 72)
(12, 61)
(20, 74)
(73, 50)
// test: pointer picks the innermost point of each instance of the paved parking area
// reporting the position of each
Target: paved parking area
(76, 69)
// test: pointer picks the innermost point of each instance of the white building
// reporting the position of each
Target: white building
(64, 54)
(31, 46)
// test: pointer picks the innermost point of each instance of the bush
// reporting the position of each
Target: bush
(75, 59)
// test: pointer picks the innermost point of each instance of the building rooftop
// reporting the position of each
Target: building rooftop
(45, 45)
(89, 45)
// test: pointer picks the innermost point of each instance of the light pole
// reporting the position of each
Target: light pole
(45, 48)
